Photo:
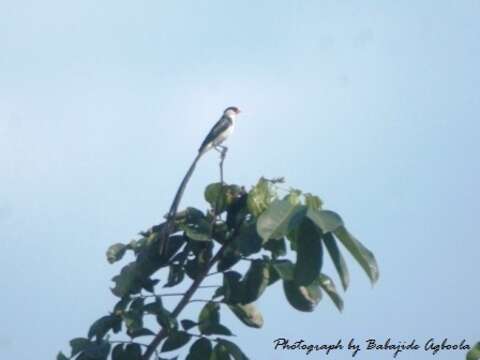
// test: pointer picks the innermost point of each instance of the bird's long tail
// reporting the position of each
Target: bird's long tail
(168, 228)
(178, 196)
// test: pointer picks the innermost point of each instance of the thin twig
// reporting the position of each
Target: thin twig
(196, 335)
(126, 342)
(247, 258)
(204, 301)
(223, 154)
(158, 295)
(215, 273)
(203, 336)
(171, 294)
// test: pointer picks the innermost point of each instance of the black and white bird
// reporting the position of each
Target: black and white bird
(217, 135)
(220, 131)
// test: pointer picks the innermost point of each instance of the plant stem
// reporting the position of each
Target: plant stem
(214, 273)
(183, 302)
(204, 301)
(158, 295)
(247, 258)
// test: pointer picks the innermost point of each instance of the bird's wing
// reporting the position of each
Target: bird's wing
(223, 124)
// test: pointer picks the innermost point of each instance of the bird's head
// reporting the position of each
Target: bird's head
(231, 111)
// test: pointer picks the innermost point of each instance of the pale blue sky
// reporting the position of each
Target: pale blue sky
(374, 106)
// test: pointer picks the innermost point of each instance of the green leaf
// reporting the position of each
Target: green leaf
(278, 219)
(309, 253)
(97, 351)
(79, 344)
(233, 349)
(133, 352)
(219, 352)
(133, 320)
(137, 304)
(313, 201)
(329, 287)
(256, 280)
(138, 245)
(175, 340)
(237, 212)
(337, 258)
(155, 307)
(233, 193)
(248, 314)
(220, 291)
(474, 353)
(284, 268)
(164, 317)
(233, 289)
(210, 315)
(218, 329)
(215, 196)
(61, 356)
(166, 321)
(230, 257)
(200, 350)
(276, 246)
(201, 249)
(148, 284)
(203, 254)
(118, 352)
(294, 196)
(121, 305)
(175, 275)
(102, 326)
(188, 324)
(199, 231)
(292, 238)
(192, 215)
(260, 197)
(302, 298)
(116, 252)
(247, 241)
(364, 257)
(326, 220)
(175, 242)
(193, 268)
(128, 281)
(274, 276)
(220, 232)
(140, 332)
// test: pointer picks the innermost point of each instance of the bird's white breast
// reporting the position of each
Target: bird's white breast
(224, 135)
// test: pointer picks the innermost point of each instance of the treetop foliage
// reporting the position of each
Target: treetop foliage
(258, 227)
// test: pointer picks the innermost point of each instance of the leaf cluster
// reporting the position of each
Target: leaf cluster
(256, 228)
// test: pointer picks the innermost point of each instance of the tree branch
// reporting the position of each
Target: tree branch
(183, 302)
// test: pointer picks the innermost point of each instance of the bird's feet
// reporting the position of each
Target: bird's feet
(222, 150)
